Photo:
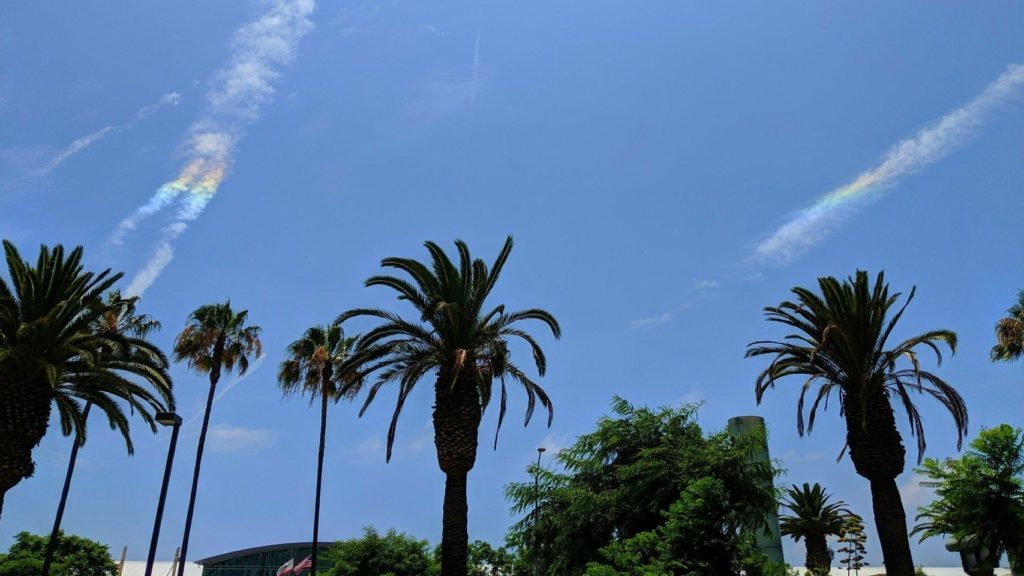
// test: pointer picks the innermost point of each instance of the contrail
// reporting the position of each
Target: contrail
(171, 98)
(224, 390)
(931, 144)
(238, 93)
(476, 70)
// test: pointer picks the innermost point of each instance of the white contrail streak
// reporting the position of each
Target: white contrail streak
(237, 95)
(169, 99)
(812, 224)
(224, 390)
(474, 86)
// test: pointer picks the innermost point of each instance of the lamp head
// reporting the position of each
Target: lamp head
(168, 418)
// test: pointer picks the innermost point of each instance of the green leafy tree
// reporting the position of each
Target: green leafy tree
(1010, 333)
(980, 497)
(392, 554)
(53, 354)
(812, 518)
(215, 339)
(841, 346)
(645, 493)
(852, 544)
(315, 366)
(74, 556)
(486, 560)
(465, 344)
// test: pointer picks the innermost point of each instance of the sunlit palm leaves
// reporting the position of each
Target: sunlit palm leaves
(1010, 333)
(841, 345)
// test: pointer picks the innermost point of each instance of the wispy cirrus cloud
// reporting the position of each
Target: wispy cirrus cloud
(238, 93)
(228, 438)
(812, 224)
(169, 99)
(651, 321)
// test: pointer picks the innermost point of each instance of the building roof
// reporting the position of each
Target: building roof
(247, 551)
(138, 568)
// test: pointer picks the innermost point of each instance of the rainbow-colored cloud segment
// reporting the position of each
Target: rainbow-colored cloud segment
(810, 225)
(236, 97)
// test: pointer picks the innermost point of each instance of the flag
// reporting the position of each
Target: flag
(304, 565)
(286, 568)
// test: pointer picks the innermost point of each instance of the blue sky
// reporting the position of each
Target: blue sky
(641, 154)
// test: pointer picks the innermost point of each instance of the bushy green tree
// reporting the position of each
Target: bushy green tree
(486, 560)
(646, 493)
(74, 556)
(393, 554)
(980, 496)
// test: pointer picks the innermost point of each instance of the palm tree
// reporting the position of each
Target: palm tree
(1010, 333)
(841, 345)
(814, 519)
(466, 346)
(215, 339)
(316, 366)
(51, 353)
(120, 319)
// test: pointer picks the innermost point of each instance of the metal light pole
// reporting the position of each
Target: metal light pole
(536, 505)
(174, 421)
(51, 545)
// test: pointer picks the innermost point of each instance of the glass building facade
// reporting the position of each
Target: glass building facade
(264, 560)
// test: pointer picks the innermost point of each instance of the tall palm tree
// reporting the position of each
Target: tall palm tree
(465, 344)
(841, 345)
(813, 519)
(1010, 333)
(120, 319)
(316, 366)
(215, 339)
(51, 353)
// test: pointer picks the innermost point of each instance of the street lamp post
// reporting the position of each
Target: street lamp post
(536, 505)
(174, 421)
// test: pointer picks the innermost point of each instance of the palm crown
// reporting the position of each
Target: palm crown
(316, 363)
(216, 338)
(54, 328)
(55, 351)
(457, 336)
(812, 513)
(1010, 332)
(841, 345)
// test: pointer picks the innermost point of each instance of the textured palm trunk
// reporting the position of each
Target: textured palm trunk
(24, 418)
(877, 451)
(817, 553)
(457, 415)
(319, 476)
(214, 378)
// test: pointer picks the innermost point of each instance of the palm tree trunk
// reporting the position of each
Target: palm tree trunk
(877, 452)
(24, 418)
(817, 552)
(455, 529)
(51, 545)
(891, 523)
(456, 418)
(319, 477)
(214, 377)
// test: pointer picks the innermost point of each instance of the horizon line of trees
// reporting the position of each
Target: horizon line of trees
(60, 348)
